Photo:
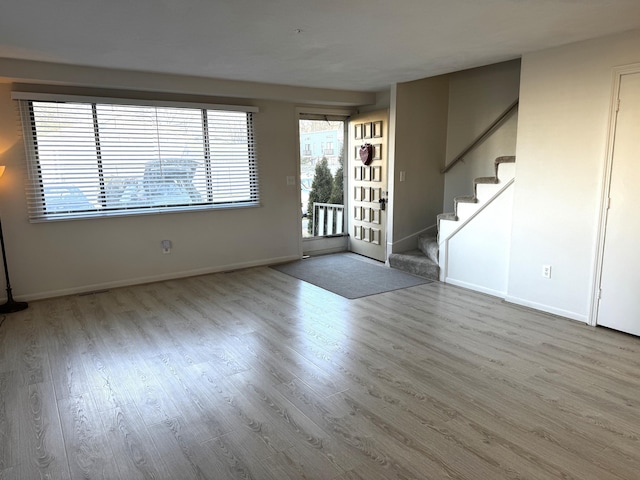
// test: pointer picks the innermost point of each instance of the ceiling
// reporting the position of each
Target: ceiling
(364, 45)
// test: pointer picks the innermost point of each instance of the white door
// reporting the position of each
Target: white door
(619, 306)
(367, 186)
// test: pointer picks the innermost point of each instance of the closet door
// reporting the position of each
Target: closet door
(619, 306)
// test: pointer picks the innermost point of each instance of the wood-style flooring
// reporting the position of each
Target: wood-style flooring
(257, 375)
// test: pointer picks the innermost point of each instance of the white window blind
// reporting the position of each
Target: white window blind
(89, 159)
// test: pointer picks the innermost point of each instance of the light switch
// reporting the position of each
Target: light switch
(291, 180)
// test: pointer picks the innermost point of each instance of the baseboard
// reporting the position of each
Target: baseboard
(324, 245)
(476, 288)
(548, 309)
(153, 278)
(325, 251)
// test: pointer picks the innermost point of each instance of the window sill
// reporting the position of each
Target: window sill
(141, 212)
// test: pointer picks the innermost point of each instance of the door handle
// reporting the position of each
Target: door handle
(383, 203)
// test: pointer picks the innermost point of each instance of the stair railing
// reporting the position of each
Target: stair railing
(482, 137)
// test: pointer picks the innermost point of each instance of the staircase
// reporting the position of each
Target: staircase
(422, 262)
(426, 260)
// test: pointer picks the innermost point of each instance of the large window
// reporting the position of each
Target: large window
(95, 158)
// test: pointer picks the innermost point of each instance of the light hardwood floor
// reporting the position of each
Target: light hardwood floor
(257, 375)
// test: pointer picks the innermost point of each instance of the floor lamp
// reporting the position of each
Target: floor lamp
(11, 305)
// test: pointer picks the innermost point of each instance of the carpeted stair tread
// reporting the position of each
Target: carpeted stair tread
(486, 180)
(416, 263)
(505, 159)
(446, 216)
(428, 244)
(465, 199)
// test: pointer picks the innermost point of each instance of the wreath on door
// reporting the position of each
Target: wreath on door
(366, 153)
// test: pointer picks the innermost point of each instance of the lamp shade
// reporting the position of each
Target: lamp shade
(1, 170)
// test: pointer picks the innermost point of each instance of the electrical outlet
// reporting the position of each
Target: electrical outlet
(546, 271)
(166, 246)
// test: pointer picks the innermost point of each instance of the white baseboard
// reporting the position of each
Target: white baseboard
(153, 278)
(326, 251)
(477, 288)
(546, 308)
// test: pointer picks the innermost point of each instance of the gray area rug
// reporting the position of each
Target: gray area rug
(348, 276)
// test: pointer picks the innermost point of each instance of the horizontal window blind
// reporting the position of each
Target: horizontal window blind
(89, 159)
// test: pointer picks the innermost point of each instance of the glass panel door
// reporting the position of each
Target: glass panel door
(322, 177)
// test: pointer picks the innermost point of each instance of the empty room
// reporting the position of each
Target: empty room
(307, 240)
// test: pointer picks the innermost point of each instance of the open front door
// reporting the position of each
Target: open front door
(367, 186)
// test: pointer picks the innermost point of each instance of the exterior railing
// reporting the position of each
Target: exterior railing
(328, 219)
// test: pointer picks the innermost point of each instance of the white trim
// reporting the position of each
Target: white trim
(322, 245)
(617, 74)
(475, 288)
(344, 114)
(156, 278)
(298, 186)
(54, 97)
(480, 209)
(326, 251)
(147, 211)
(546, 308)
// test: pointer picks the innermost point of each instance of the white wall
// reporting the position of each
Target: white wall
(476, 98)
(478, 255)
(48, 259)
(565, 96)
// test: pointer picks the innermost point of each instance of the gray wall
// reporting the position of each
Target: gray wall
(417, 148)
(476, 98)
(55, 258)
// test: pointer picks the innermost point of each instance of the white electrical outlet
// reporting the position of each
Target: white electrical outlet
(166, 246)
(546, 271)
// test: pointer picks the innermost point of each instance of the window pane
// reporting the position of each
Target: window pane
(67, 156)
(232, 158)
(150, 155)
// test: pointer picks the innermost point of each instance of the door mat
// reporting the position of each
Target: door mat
(349, 277)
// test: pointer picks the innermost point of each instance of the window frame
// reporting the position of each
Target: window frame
(36, 186)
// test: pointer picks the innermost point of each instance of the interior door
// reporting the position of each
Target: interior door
(367, 186)
(619, 306)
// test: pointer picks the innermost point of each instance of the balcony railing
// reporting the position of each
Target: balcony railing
(328, 219)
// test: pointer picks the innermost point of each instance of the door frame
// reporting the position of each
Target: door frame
(319, 245)
(618, 73)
